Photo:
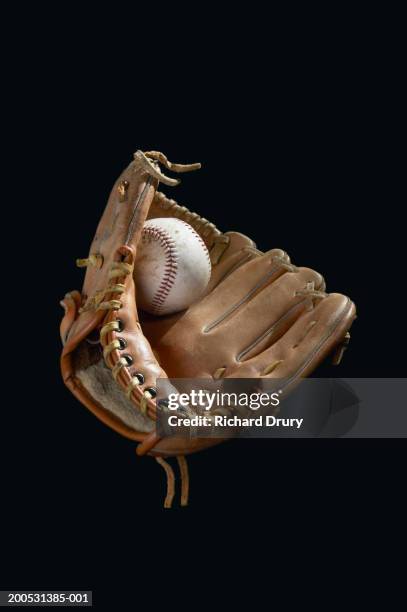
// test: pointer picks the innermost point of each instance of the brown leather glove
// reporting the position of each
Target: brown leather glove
(261, 317)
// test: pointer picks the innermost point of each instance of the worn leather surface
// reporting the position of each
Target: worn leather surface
(258, 311)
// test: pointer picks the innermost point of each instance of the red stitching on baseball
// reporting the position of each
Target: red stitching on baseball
(200, 240)
(171, 265)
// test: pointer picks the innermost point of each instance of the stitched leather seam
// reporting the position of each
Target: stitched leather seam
(130, 229)
(246, 298)
(235, 267)
(269, 331)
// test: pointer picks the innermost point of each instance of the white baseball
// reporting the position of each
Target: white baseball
(173, 266)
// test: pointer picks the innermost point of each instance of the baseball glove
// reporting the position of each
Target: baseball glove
(261, 317)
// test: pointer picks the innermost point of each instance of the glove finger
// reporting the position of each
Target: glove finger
(267, 316)
(240, 284)
(240, 249)
(305, 344)
(243, 333)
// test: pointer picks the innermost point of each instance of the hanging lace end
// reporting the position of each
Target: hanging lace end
(95, 260)
(340, 350)
(150, 161)
(170, 481)
(183, 468)
(179, 168)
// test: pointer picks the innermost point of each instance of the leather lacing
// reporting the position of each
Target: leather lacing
(216, 242)
(311, 292)
(148, 162)
(183, 468)
(97, 302)
(118, 270)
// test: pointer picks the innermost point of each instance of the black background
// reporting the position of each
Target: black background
(299, 150)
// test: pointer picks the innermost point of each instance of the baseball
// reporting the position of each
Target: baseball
(172, 268)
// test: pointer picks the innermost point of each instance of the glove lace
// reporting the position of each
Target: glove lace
(97, 302)
(149, 162)
(183, 468)
(311, 292)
